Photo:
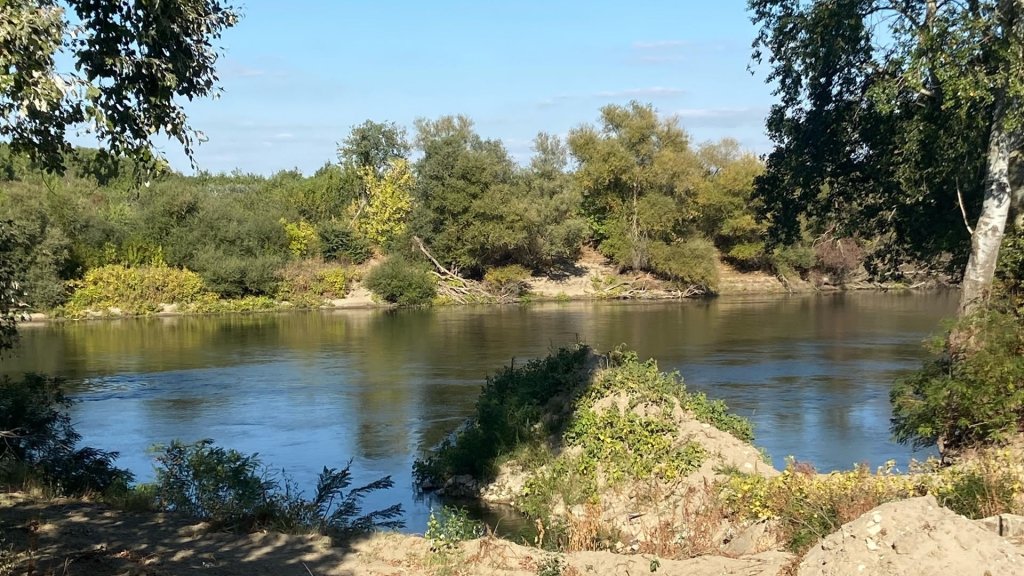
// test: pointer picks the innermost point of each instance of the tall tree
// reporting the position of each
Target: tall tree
(637, 171)
(899, 117)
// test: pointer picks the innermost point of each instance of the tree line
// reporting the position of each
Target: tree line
(634, 186)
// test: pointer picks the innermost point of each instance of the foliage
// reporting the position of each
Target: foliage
(127, 72)
(383, 215)
(403, 282)
(233, 489)
(884, 116)
(792, 260)
(210, 304)
(10, 245)
(551, 417)
(971, 393)
(38, 435)
(340, 243)
(507, 281)
(310, 282)
(687, 263)
(636, 173)
(808, 506)
(134, 290)
(508, 411)
(303, 241)
(448, 526)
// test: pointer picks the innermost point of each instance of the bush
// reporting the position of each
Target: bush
(507, 282)
(303, 241)
(972, 393)
(402, 282)
(39, 441)
(839, 258)
(449, 526)
(310, 282)
(793, 260)
(234, 276)
(689, 263)
(234, 490)
(339, 243)
(134, 290)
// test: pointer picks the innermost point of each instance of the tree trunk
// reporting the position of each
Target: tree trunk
(995, 211)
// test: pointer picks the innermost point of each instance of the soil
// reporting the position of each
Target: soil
(71, 538)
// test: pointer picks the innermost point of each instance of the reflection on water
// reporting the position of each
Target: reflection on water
(312, 389)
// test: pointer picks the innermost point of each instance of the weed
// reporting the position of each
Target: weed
(448, 526)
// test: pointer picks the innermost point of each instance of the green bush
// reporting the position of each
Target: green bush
(972, 393)
(309, 283)
(39, 441)
(234, 276)
(402, 282)
(134, 290)
(339, 243)
(689, 263)
(507, 281)
(234, 490)
(449, 526)
(793, 260)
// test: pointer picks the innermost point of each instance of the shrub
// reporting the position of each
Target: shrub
(339, 242)
(972, 393)
(747, 255)
(402, 282)
(689, 263)
(793, 260)
(507, 282)
(521, 408)
(134, 290)
(39, 440)
(839, 258)
(303, 240)
(234, 276)
(234, 490)
(449, 526)
(310, 282)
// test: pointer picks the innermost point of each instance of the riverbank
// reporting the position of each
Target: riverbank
(592, 278)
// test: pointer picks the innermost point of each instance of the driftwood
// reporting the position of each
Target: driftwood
(459, 289)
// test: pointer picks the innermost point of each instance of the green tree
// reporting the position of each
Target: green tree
(463, 184)
(388, 202)
(899, 118)
(639, 178)
(131, 67)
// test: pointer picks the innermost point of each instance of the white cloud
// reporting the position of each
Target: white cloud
(722, 117)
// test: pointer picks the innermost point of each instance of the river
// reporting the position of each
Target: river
(309, 389)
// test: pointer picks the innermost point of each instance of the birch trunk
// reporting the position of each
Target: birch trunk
(995, 211)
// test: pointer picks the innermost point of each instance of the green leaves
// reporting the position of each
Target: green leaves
(132, 66)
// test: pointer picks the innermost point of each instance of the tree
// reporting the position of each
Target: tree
(639, 177)
(133, 64)
(388, 202)
(896, 117)
(369, 151)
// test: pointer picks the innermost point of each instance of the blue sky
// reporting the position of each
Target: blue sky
(298, 75)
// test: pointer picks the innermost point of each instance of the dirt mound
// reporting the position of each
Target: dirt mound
(913, 537)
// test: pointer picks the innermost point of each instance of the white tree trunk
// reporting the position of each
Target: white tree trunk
(995, 211)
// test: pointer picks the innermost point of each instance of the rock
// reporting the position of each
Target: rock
(1006, 525)
(461, 486)
(753, 539)
(914, 537)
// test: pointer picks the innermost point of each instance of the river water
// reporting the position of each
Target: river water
(309, 389)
